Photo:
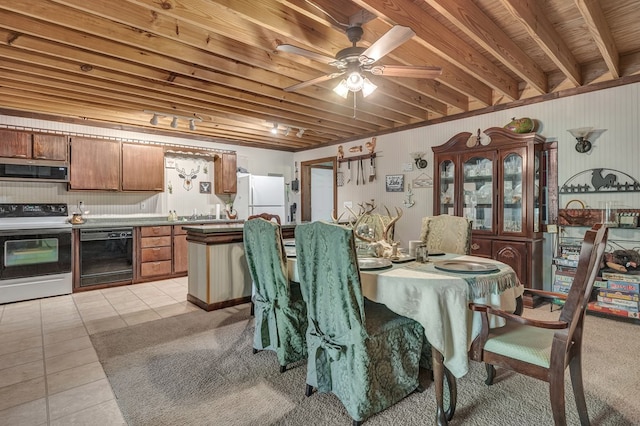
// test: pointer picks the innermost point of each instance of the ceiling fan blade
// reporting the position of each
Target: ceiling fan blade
(312, 81)
(406, 71)
(307, 53)
(385, 44)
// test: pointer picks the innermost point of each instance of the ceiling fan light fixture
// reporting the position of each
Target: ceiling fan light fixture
(368, 87)
(342, 89)
(355, 82)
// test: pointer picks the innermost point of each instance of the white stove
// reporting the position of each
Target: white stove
(35, 248)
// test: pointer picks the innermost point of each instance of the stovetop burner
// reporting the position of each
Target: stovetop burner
(34, 216)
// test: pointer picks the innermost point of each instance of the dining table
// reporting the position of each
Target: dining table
(436, 293)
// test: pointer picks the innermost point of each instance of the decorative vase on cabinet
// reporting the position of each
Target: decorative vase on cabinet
(496, 181)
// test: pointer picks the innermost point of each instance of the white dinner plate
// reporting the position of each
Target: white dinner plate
(370, 263)
(466, 266)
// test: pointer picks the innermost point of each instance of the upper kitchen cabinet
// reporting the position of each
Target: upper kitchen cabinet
(22, 145)
(496, 180)
(106, 165)
(142, 167)
(95, 164)
(225, 174)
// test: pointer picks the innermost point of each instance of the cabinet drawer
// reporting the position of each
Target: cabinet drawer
(155, 241)
(153, 254)
(154, 231)
(179, 230)
(162, 267)
(481, 247)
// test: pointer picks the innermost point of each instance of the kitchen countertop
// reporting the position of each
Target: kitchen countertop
(115, 222)
(212, 228)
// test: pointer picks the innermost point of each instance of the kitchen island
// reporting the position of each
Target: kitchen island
(218, 273)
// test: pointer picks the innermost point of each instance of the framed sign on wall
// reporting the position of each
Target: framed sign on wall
(394, 183)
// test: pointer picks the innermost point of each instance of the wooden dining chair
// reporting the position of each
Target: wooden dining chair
(280, 311)
(544, 349)
(446, 233)
(359, 350)
(266, 216)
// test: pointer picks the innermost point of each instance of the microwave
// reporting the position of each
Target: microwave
(53, 173)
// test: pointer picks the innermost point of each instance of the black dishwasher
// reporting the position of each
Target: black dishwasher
(106, 256)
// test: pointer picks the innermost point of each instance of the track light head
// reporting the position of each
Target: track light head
(174, 122)
(300, 133)
(274, 129)
(154, 119)
(192, 124)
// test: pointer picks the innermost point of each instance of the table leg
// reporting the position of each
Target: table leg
(438, 378)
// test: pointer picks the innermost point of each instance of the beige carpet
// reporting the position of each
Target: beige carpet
(198, 369)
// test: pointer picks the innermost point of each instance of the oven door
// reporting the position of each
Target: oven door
(34, 252)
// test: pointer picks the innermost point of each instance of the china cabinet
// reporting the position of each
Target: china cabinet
(497, 179)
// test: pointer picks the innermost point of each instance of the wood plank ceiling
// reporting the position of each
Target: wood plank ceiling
(112, 62)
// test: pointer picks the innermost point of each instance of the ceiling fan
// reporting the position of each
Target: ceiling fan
(355, 61)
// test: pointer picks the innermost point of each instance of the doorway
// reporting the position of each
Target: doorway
(318, 188)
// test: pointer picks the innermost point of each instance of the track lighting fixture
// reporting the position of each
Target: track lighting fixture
(174, 119)
(274, 129)
(287, 131)
(300, 133)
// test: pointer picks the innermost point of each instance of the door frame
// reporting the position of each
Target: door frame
(305, 185)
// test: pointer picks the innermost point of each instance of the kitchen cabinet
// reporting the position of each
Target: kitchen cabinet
(180, 249)
(496, 180)
(142, 167)
(33, 146)
(106, 165)
(225, 166)
(156, 251)
(95, 164)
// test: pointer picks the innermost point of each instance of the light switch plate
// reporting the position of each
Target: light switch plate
(407, 167)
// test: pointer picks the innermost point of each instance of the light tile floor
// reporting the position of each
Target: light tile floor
(49, 370)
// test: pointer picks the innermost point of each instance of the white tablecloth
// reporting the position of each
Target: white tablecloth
(439, 301)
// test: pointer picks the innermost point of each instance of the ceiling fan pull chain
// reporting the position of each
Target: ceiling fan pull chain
(354, 105)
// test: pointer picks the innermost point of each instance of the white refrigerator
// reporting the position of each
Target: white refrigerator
(260, 194)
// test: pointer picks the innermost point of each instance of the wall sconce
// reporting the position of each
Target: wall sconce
(581, 134)
(420, 162)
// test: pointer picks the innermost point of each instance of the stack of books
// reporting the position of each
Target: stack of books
(620, 297)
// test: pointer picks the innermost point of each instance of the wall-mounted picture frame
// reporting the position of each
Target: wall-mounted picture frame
(205, 187)
(394, 183)
(423, 181)
(169, 163)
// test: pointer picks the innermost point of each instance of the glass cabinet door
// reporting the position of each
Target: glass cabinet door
(478, 192)
(512, 213)
(447, 188)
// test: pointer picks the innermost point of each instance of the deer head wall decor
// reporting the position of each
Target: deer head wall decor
(187, 178)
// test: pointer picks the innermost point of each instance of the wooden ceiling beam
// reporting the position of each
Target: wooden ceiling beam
(481, 29)
(599, 30)
(542, 32)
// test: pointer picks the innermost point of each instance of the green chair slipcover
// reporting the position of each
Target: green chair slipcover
(450, 234)
(361, 351)
(280, 311)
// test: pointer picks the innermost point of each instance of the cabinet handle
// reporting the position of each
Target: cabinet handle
(475, 246)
